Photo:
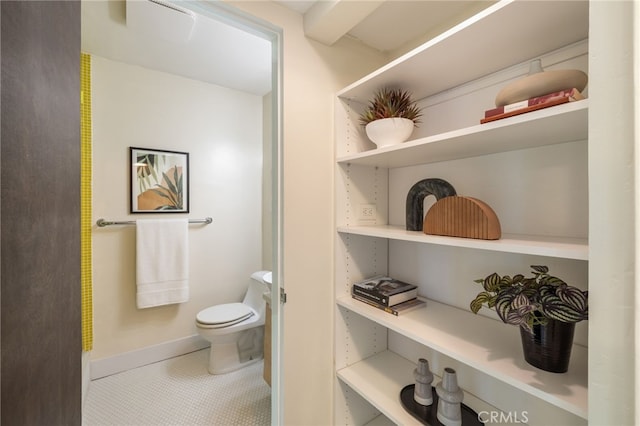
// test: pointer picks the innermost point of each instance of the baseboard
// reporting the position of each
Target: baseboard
(126, 361)
(86, 375)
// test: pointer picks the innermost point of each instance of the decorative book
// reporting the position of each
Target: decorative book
(398, 309)
(573, 94)
(550, 103)
(384, 291)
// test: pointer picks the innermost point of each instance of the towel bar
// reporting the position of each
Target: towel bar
(102, 223)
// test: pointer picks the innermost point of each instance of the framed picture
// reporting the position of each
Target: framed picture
(159, 181)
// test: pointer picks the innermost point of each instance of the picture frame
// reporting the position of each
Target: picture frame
(159, 181)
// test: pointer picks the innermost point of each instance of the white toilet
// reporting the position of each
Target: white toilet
(236, 330)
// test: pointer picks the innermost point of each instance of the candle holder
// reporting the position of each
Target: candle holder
(423, 394)
(450, 398)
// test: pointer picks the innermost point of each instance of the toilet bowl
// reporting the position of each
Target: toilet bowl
(235, 330)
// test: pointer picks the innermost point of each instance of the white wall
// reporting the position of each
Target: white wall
(221, 129)
(614, 372)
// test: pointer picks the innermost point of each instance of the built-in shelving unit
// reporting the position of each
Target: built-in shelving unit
(504, 36)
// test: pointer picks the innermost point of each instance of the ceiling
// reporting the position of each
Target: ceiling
(165, 36)
(389, 26)
(148, 34)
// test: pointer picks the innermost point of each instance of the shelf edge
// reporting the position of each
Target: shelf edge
(485, 131)
(564, 248)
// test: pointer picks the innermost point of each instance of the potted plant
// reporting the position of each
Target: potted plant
(390, 117)
(543, 306)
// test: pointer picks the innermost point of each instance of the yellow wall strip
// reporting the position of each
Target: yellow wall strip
(86, 268)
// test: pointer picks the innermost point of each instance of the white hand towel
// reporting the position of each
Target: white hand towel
(162, 250)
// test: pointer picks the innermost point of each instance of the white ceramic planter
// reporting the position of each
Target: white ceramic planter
(389, 131)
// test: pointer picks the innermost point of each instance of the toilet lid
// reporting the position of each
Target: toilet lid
(229, 313)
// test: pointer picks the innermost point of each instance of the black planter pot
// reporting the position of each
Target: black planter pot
(549, 347)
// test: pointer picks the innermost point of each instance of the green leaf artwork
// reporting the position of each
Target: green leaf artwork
(159, 181)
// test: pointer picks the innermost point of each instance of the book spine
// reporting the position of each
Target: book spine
(554, 102)
(402, 297)
(370, 295)
(574, 93)
(376, 305)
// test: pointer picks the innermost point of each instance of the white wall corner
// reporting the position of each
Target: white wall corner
(328, 21)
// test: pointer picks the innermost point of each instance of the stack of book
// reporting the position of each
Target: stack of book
(533, 104)
(386, 293)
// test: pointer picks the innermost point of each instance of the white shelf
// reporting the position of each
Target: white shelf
(482, 343)
(549, 126)
(496, 38)
(380, 378)
(565, 248)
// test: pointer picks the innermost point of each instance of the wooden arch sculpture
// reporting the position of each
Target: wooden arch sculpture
(462, 217)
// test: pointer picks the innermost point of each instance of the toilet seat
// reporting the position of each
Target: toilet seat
(226, 315)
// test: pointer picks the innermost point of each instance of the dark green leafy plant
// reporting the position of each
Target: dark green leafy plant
(389, 103)
(527, 301)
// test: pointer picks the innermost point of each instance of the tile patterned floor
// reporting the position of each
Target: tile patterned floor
(179, 392)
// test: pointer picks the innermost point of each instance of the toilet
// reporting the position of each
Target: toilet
(236, 330)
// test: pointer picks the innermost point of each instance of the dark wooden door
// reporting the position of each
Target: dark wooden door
(40, 333)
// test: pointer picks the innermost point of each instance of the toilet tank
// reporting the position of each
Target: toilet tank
(257, 288)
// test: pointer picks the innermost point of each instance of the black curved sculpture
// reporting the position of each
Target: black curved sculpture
(439, 188)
